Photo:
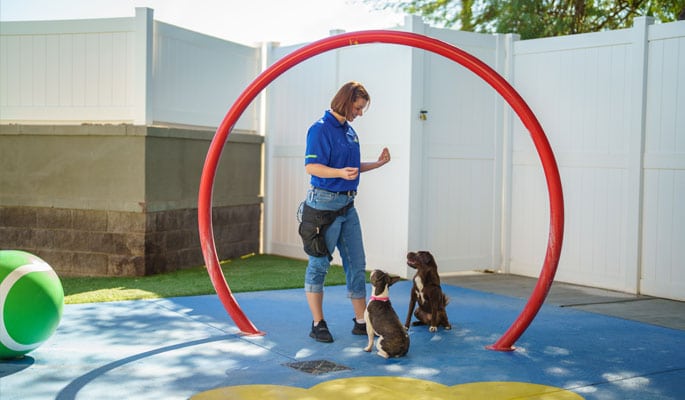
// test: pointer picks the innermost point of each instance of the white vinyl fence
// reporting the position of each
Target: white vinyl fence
(609, 103)
(121, 70)
(465, 183)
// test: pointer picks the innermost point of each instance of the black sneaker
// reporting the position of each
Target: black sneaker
(359, 329)
(320, 332)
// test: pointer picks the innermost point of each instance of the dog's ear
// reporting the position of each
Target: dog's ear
(393, 280)
(373, 278)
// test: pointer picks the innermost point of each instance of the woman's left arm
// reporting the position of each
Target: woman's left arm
(383, 159)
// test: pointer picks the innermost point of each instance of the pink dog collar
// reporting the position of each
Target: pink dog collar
(379, 298)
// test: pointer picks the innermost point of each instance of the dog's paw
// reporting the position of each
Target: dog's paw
(448, 327)
(433, 329)
(367, 349)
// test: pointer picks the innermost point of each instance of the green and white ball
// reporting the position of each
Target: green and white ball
(31, 301)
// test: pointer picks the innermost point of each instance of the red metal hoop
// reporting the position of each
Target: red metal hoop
(549, 165)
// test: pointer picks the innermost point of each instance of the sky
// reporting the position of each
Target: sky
(243, 21)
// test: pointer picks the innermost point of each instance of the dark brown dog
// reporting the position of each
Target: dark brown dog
(427, 292)
(382, 320)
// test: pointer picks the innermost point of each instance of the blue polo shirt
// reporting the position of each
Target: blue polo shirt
(336, 145)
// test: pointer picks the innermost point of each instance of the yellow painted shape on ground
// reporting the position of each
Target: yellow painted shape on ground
(391, 388)
(511, 390)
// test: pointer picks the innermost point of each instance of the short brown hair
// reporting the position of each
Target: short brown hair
(347, 95)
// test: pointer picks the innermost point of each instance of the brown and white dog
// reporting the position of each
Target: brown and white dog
(382, 320)
(427, 292)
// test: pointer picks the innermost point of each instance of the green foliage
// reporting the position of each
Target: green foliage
(536, 18)
(260, 272)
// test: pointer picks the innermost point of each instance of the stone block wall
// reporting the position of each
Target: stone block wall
(122, 200)
(112, 243)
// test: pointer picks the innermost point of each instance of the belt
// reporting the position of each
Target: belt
(345, 192)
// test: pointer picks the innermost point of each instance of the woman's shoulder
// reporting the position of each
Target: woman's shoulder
(323, 124)
(317, 127)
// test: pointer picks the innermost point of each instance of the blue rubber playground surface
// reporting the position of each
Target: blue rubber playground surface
(180, 348)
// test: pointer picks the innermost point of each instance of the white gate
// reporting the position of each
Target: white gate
(460, 160)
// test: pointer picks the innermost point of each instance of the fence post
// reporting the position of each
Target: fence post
(504, 151)
(265, 129)
(415, 236)
(636, 144)
(143, 66)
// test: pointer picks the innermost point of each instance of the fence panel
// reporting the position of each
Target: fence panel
(459, 157)
(67, 71)
(579, 89)
(663, 218)
(196, 78)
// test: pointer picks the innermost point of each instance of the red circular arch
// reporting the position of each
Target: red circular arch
(497, 82)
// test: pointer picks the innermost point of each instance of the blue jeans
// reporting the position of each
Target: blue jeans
(345, 233)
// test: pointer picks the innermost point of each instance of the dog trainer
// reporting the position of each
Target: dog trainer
(333, 160)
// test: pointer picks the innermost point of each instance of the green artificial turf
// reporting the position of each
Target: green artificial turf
(245, 274)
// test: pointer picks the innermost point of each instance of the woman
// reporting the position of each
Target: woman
(333, 160)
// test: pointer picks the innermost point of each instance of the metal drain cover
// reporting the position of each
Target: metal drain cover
(317, 367)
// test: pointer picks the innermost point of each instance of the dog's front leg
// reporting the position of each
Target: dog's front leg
(434, 316)
(369, 331)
